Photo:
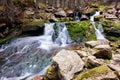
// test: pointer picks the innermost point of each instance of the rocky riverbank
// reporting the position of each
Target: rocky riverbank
(96, 60)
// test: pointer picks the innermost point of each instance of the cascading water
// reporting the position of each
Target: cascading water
(76, 17)
(99, 31)
(100, 28)
(97, 13)
(63, 38)
(30, 55)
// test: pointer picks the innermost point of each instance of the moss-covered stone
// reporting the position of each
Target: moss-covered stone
(104, 54)
(111, 29)
(81, 31)
(97, 18)
(52, 72)
(3, 40)
(93, 72)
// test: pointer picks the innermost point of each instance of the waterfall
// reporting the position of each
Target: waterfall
(30, 55)
(63, 36)
(97, 13)
(99, 30)
(98, 33)
(76, 16)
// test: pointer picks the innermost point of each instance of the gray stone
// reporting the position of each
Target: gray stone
(115, 64)
(69, 63)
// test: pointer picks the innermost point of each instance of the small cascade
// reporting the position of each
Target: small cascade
(63, 38)
(99, 30)
(76, 16)
(97, 13)
(30, 55)
(98, 33)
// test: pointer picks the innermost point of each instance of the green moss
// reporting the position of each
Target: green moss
(102, 8)
(89, 65)
(113, 26)
(51, 74)
(33, 25)
(93, 72)
(80, 31)
(3, 40)
(94, 4)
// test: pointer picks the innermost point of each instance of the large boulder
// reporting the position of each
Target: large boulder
(98, 73)
(69, 63)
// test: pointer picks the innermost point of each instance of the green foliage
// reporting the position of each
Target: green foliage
(102, 8)
(93, 72)
(3, 40)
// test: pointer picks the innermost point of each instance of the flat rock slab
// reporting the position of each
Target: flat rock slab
(100, 47)
(92, 44)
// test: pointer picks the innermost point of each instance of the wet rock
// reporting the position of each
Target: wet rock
(100, 47)
(98, 73)
(115, 65)
(104, 54)
(69, 63)
(60, 13)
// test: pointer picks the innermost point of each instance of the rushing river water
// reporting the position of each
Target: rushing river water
(32, 55)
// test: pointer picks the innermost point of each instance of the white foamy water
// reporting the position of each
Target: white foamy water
(76, 16)
(99, 30)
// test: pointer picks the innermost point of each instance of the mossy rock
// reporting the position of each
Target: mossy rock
(97, 18)
(34, 28)
(51, 74)
(3, 40)
(111, 29)
(80, 31)
(94, 72)
(94, 4)
(104, 54)
(102, 8)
